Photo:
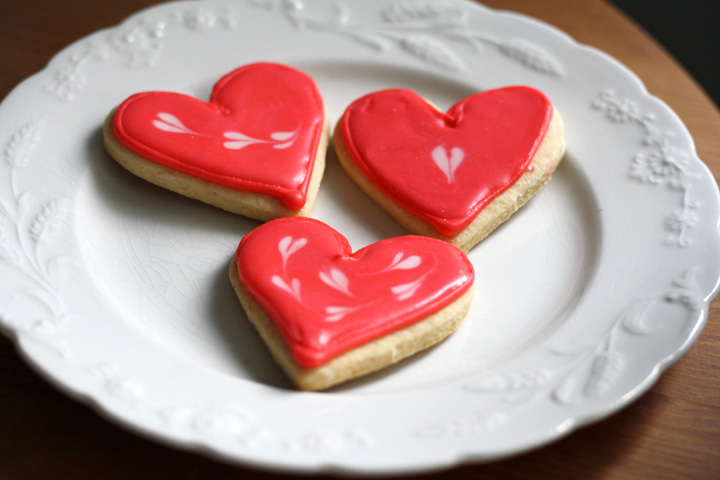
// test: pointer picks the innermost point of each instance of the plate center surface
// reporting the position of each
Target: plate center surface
(161, 260)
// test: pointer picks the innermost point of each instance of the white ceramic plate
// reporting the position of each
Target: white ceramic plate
(117, 290)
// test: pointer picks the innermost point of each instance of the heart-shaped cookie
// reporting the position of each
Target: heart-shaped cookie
(328, 314)
(257, 148)
(454, 175)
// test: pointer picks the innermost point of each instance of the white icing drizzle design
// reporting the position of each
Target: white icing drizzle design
(448, 164)
(287, 247)
(398, 263)
(337, 313)
(168, 122)
(337, 280)
(406, 290)
(293, 287)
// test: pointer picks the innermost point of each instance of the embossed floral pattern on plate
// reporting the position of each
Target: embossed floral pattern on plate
(120, 294)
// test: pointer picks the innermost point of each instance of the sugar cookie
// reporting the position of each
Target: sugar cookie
(455, 175)
(257, 148)
(329, 315)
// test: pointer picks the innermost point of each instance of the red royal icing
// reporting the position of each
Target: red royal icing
(445, 167)
(260, 132)
(325, 299)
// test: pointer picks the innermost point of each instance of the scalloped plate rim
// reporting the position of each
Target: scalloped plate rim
(571, 424)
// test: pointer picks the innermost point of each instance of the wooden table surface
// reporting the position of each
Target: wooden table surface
(673, 431)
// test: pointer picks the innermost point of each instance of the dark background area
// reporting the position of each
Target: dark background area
(689, 30)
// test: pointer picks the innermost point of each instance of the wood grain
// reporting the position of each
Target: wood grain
(672, 432)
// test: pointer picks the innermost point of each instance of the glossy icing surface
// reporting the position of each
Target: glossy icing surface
(259, 132)
(325, 299)
(445, 167)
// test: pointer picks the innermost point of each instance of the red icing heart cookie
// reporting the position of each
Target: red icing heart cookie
(260, 139)
(329, 314)
(436, 172)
